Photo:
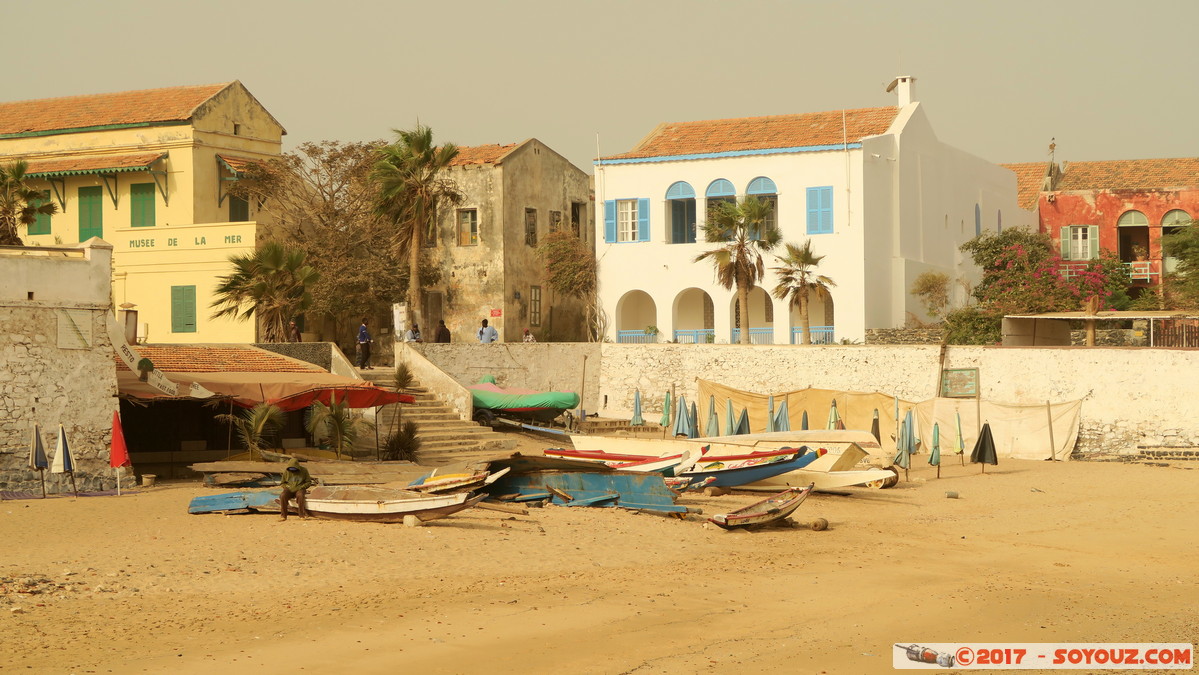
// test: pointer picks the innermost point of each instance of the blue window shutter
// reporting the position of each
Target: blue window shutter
(1093, 240)
(610, 221)
(813, 211)
(761, 186)
(642, 220)
(826, 209)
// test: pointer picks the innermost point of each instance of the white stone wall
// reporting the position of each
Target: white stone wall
(42, 382)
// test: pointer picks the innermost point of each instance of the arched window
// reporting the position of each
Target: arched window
(763, 188)
(1131, 219)
(720, 190)
(1172, 223)
(1175, 218)
(680, 212)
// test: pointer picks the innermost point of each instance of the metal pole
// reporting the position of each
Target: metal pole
(1052, 444)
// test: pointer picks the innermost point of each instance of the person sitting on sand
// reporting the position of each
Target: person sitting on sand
(296, 482)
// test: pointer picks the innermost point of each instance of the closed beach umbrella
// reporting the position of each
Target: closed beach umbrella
(910, 437)
(834, 417)
(984, 449)
(903, 454)
(682, 421)
(729, 423)
(713, 428)
(63, 461)
(874, 427)
(666, 411)
(637, 420)
(770, 414)
(782, 418)
(934, 457)
(37, 457)
(693, 431)
(742, 422)
(803, 421)
(959, 443)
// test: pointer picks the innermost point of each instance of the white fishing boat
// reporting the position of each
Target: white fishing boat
(384, 505)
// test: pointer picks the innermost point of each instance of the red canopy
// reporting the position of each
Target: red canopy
(355, 397)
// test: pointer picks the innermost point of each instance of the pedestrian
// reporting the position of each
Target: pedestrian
(487, 334)
(364, 347)
(293, 332)
(296, 481)
(529, 336)
(413, 334)
(443, 333)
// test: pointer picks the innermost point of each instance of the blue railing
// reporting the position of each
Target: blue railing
(698, 336)
(635, 337)
(820, 335)
(757, 336)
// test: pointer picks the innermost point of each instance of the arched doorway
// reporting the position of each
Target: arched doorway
(761, 317)
(636, 318)
(694, 317)
(820, 319)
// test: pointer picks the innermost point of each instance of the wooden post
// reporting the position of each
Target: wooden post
(1052, 444)
(582, 392)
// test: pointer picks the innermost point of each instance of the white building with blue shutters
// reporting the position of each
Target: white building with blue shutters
(873, 189)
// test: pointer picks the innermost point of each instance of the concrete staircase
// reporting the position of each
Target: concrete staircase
(445, 437)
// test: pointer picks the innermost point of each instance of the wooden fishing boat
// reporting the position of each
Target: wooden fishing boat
(764, 513)
(442, 483)
(743, 472)
(384, 505)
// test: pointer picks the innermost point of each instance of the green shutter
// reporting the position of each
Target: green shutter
(1093, 240)
(1064, 235)
(610, 221)
(239, 210)
(183, 309)
(91, 215)
(141, 204)
(42, 224)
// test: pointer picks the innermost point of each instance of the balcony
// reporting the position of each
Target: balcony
(691, 337)
(635, 337)
(1140, 272)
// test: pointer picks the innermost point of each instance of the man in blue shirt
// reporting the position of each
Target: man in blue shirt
(364, 347)
(487, 334)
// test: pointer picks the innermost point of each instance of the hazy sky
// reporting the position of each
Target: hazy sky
(998, 79)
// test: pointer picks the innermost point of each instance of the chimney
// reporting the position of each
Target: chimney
(129, 321)
(907, 89)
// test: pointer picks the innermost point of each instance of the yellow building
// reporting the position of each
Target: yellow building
(147, 171)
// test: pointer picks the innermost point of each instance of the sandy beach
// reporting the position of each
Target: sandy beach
(1029, 552)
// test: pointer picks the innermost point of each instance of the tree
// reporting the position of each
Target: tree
(255, 424)
(1182, 286)
(19, 203)
(570, 269)
(933, 290)
(797, 279)
(412, 189)
(337, 423)
(322, 201)
(270, 284)
(746, 234)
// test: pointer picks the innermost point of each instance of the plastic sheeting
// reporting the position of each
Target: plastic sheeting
(1020, 431)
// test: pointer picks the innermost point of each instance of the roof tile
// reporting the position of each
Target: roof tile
(170, 104)
(93, 163)
(481, 154)
(201, 358)
(763, 133)
(1131, 174)
(1030, 179)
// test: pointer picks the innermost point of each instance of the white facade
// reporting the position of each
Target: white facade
(902, 203)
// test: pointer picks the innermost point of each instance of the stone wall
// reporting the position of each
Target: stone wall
(904, 336)
(317, 353)
(1131, 396)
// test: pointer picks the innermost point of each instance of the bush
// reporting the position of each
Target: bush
(404, 377)
(973, 326)
(933, 290)
(403, 445)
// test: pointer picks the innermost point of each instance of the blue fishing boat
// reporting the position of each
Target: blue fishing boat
(727, 476)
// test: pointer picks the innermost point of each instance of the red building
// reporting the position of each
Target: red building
(1122, 206)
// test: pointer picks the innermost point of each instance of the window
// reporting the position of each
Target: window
(91, 215)
(820, 210)
(626, 220)
(468, 227)
(535, 306)
(680, 204)
(239, 209)
(530, 227)
(42, 224)
(555, 220)
(578, 211)
(1171, 219)
(764, 189)
(720, 191)
(1080, 242)
(1132, 218)
(183, 309)
(141, 205)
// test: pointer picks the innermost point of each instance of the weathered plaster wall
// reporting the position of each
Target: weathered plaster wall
(45, 382)
(1121, 409)
(1104, 208)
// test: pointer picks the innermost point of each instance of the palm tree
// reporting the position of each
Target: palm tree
(255, 424)
(19, 203)
(746, 234)
(337, 423)
(271, 283)
(798, 278)
(411, 190)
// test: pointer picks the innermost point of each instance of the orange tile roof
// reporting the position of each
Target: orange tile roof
(219, 359)
(239, 164)
(1030, 180)
(1131, 174)
(481, 154)
(762, 133)
(93, 163)
(171, 104)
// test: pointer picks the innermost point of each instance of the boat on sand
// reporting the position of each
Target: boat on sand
(764, 513)
(384, 505)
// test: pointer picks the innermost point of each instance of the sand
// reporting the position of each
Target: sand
(1030, 552)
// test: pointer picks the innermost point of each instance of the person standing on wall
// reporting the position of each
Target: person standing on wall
(364, 347)
(529, 336)
(443, 333)
(293, 332)
(487, 334)
(413, 334)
